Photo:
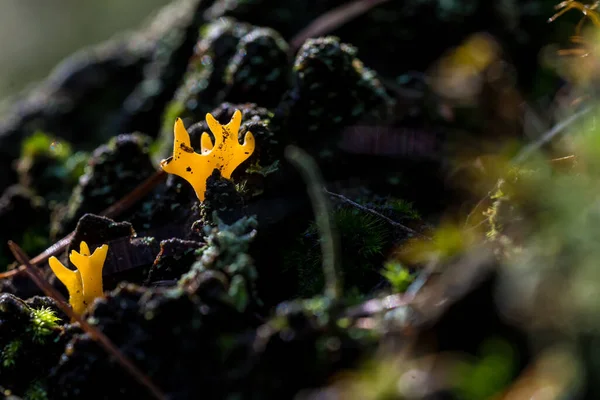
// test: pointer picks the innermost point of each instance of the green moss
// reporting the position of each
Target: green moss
(392, 207)
(405, 208)
(239, 293)
(363, 239)
(226, 252)
(264, 171)
(43, 322)
(242, 187)
(75, 166)
(48, 167)
(36, 391)
(9, 353)
(364, 232)
(397, 275)
(489, 374)
(41, 143)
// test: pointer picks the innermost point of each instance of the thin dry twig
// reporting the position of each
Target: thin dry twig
(12, 272)
(134, 196)
(432, 298)
(40, 258)
(116, 209)
(94, 333)
(531, 148)
(377, 214)
(332, 20)
(549, 135)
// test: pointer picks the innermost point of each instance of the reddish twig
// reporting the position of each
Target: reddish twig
(94, 333)
(332, 20)
(12, 272)
(119, 207)
(133, 197)
(40, 258)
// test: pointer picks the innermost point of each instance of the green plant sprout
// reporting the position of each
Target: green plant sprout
(397, 275)
(9, 353)
(36, 391)
(44, 322)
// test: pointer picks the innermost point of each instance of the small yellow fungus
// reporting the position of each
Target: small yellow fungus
(226, 154)
(84, 284)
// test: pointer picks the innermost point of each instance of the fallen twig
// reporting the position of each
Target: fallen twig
(332, 20)
(531, 148)
(119, 207)
(431, 299)
(377, 214)
(40, 258)
(94, 333)
(549, 135)
(135, 195)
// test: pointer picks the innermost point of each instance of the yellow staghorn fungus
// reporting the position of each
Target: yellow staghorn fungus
(84, 284)
(226, 154)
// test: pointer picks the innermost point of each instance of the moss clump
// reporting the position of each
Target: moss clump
(204, 79)
(9, 353)
(75, 167)
(41, 143)
(113, 171)
(36, 391)
(488, 375)
(405, 208)
(48, 167)
(363, 239)
(226, 253)
(506, 211)
(331, 89)
(175, 258)
(44, 322)
(222, 198)
(397, 275)
(233, 62)
(31, 342)
(258, 72)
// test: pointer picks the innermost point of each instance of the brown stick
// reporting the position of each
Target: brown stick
(133, 197)
(119, 207)
(40, 258)
(332, 20)
(377, 214)
(94, 332)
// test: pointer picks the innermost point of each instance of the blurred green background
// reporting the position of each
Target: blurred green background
(35, 35)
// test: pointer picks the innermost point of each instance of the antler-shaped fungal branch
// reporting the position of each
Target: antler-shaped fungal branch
(588, 11)
(84, 284)
(226, 154)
